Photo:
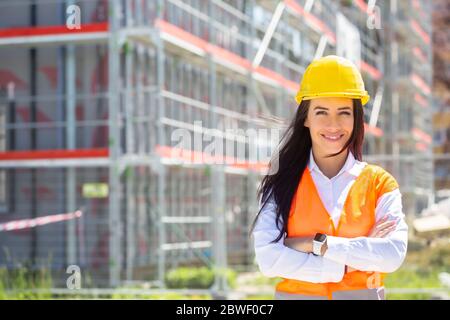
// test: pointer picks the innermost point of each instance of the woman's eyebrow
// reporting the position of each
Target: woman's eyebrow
(323, 108)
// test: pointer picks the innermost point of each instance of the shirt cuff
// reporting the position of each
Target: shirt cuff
(332, 271)
(338, 249)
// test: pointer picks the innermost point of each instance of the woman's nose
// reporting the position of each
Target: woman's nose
(333, 123)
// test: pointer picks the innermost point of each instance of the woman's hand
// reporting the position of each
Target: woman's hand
(381, 229)
(303, 244)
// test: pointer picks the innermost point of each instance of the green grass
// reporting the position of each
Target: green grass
(413, 278)
(18, 284)
(418, 278)
(261, 280)
(408, 296)
(166, 296)
(260, 297)
(199, 278)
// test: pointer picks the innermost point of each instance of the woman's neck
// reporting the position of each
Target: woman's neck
(330, 167)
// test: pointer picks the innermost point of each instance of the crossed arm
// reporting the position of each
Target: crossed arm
(383, 250)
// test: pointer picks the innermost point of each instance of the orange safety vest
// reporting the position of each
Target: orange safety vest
(308, 216)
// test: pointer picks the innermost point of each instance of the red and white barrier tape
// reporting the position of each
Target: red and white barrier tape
(31, 223)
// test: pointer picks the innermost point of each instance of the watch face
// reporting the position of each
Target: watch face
(320, 237)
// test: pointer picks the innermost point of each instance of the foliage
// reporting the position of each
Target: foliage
(197, 278)
(20, 284)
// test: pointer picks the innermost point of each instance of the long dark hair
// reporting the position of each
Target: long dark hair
(292, 159)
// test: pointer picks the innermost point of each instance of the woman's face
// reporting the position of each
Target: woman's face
(330, 123)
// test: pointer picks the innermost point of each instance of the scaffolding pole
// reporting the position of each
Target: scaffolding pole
(115, 262)
(71, 144)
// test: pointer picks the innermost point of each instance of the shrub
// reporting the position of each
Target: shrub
(197, 278)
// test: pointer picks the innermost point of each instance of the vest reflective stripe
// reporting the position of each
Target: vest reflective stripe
(308, 216)
(363, 294)
(279, 295)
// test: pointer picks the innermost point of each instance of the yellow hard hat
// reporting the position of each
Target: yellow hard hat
(332, 76)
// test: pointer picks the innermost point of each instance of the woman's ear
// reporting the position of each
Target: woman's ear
(306, 123)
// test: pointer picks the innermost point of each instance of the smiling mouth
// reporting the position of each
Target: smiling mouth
(332, 137)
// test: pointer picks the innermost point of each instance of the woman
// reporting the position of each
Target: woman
(329, 224)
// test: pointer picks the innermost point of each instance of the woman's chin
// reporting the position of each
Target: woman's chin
(333, 150)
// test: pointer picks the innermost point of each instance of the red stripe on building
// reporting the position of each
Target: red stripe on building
(421, 146)
(418, 29)
(312, 19)
(191, 156)
(277, 77)
(7, 77)
(419, 54)
(420, 83)
(420, 135)
(377, 132)
(54, 154)
(361, 5)
(420, 100)
(228, 56)
(374, 72)
(51, 30)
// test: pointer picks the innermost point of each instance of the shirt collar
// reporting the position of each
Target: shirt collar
(351, 165)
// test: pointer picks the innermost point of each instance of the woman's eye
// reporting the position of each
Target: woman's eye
(323, 112)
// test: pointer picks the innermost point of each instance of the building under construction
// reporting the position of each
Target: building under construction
(87, 113)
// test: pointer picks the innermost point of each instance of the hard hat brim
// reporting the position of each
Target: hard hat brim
(364, 98)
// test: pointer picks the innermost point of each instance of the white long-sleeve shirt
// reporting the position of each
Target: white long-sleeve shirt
(362, 253)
